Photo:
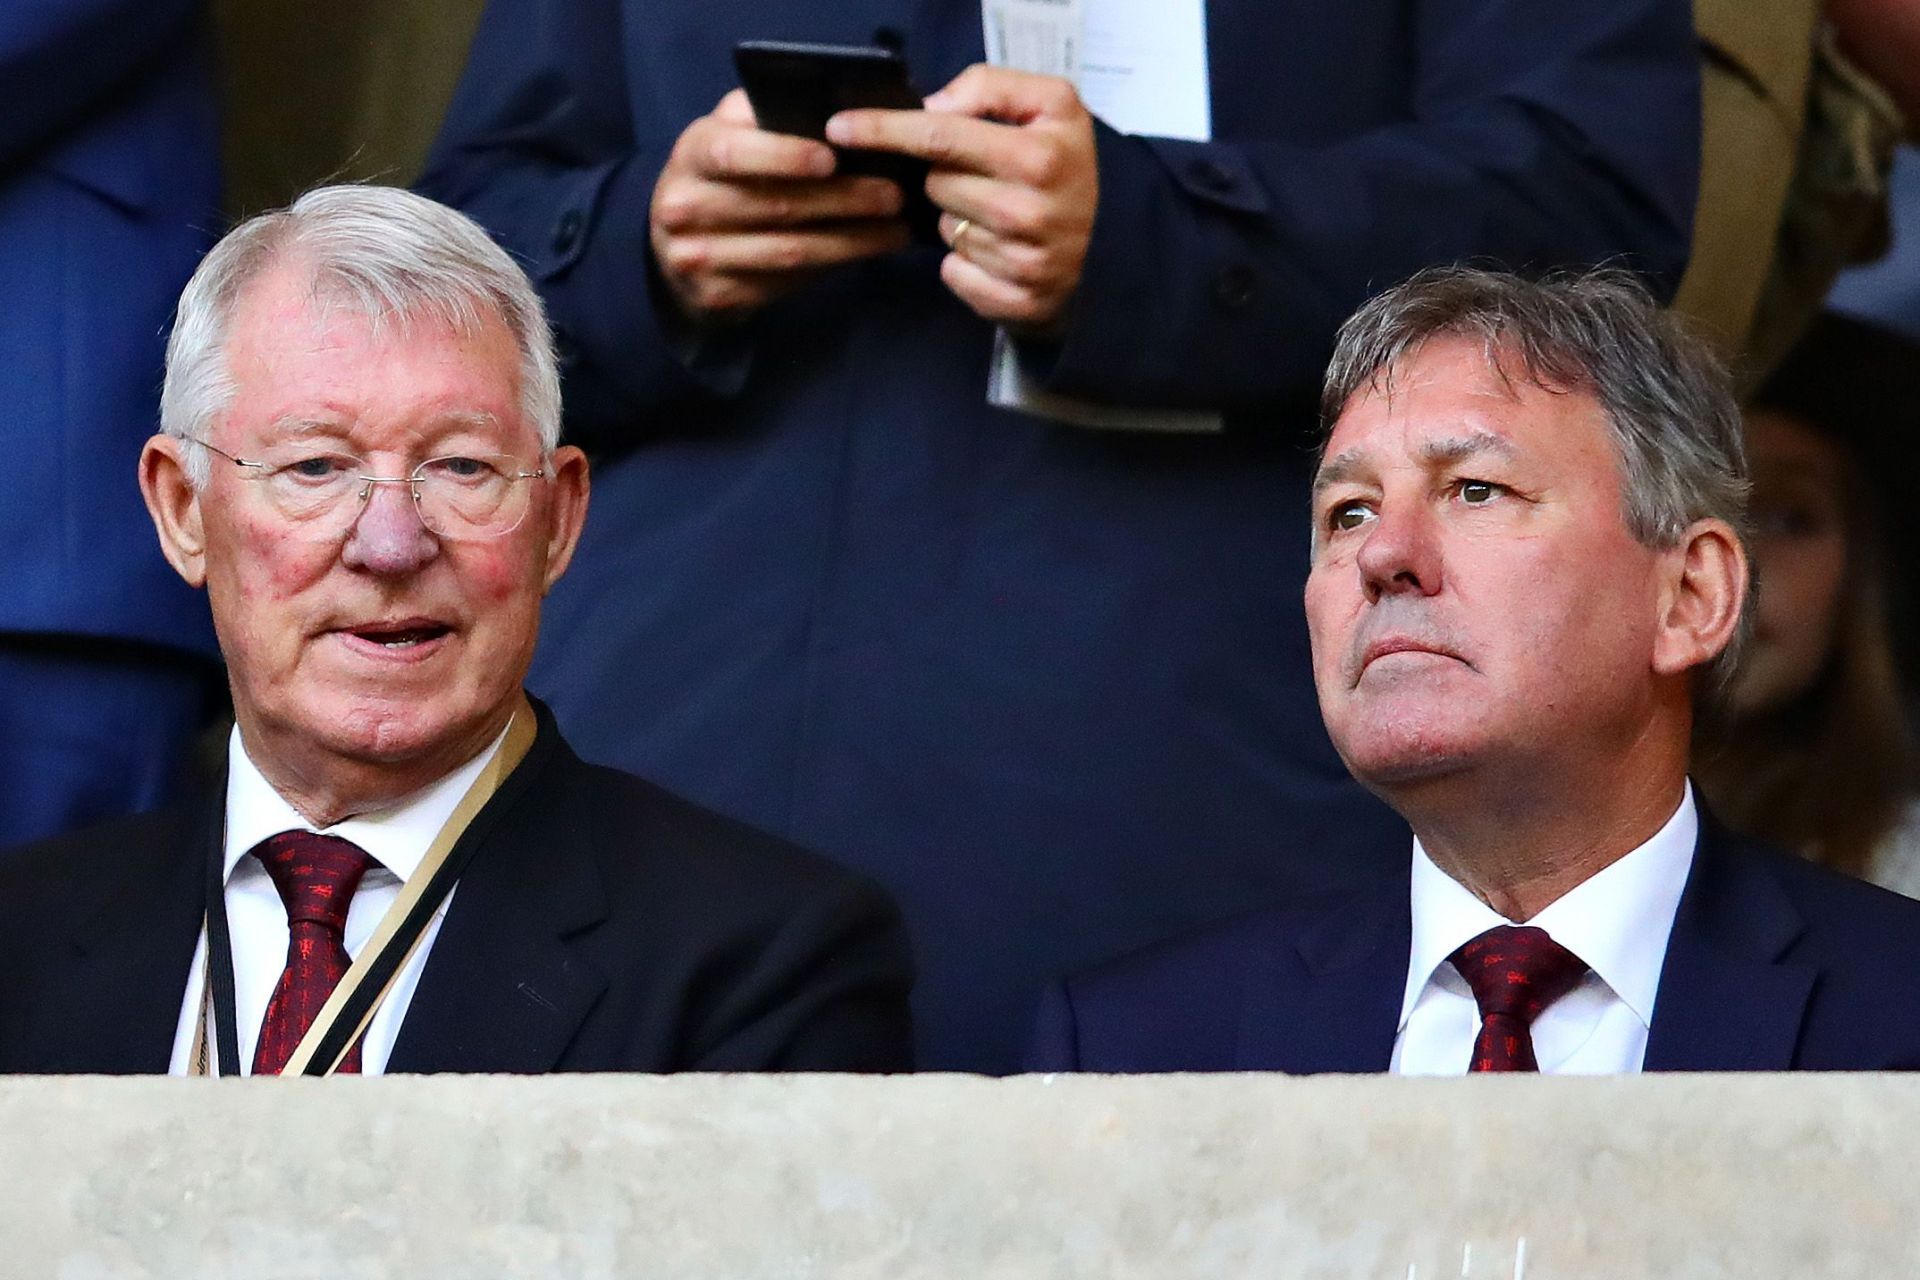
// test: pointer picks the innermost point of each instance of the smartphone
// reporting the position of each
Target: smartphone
(795, 88)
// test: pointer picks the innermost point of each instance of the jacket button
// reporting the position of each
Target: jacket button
(1210, 175)
(892, 39)
(1236, 286)
(566, 232)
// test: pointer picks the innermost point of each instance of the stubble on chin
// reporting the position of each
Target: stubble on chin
(1388, 747)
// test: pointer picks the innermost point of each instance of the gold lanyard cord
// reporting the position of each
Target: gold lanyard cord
(519, 740)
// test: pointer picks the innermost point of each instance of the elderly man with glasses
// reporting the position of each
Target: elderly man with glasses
(405, 868)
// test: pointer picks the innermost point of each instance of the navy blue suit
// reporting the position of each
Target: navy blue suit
(1774, 964)
(1048, 684)
(108, 196)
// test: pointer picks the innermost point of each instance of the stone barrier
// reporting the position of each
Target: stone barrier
(949, 1177)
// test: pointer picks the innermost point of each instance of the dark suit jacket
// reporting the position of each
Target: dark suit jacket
(1774, 964)
(109, 193)
(602, 925)
(1048, 685)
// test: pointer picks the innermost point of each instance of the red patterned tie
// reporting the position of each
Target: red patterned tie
(316, 876)
(1515, 972)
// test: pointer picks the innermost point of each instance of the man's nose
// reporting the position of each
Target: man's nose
(1401, 553)
(387, 536)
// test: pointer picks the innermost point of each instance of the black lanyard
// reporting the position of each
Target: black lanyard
(380, 972)
(220, 960)
(381, 968)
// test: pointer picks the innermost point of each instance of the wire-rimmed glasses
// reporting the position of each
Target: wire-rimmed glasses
(467, 496)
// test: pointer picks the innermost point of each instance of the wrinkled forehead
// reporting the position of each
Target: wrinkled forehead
(1482, 350)
(1452, 398)
(289, 281)
(308, 363)
(287, 307)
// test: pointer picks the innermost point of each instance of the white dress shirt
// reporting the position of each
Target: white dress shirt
(1618, 921)
(397, 838)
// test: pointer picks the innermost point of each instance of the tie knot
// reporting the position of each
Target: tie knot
(1517, 970)
(315, 874)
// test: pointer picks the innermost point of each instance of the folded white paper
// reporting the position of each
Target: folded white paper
(1141, 66)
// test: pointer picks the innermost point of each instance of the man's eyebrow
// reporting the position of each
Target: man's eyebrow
(1347, 465)
(467, 419)
(457, 422)
(1460, 448)
(1336, 470)
(297, 424)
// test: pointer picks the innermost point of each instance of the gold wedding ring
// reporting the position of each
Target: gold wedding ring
(959, 229)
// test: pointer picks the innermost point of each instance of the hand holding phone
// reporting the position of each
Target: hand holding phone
(1015, 169)
(741, 215)
(796, 88)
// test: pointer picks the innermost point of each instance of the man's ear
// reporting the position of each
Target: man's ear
(175, 508)
(570, 490)
(1701, 598)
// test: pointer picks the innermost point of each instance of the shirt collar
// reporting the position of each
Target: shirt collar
(397, 837)
(1617, 920)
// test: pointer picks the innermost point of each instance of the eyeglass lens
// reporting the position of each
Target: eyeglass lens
(466, 496)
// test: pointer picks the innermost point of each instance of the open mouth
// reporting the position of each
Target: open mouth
(399, 636)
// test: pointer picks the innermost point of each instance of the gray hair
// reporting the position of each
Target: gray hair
(1676, 426)
(388, 254)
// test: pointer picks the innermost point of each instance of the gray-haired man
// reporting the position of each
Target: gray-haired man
(405, 868)
(1527, 571)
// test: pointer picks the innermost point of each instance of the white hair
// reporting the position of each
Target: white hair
(386, 253)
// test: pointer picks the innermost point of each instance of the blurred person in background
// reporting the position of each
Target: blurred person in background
(1036, 661)
(1818, 753)
(109, 193)
(1838, 105)
(1883, 37)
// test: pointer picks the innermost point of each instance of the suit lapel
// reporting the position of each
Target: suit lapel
(1330, 1001)
(118, 1004)
(1727, 1000)
(506, 987)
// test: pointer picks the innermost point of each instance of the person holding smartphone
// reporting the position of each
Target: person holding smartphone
(1042, 673)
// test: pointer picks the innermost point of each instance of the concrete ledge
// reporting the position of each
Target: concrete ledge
(793, 1178)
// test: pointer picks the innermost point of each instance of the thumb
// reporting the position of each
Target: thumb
(735, 109)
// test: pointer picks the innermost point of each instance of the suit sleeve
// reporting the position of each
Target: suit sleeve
(1539, 135)
(539, 147)
(60, 58)
(827, 992)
